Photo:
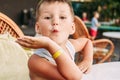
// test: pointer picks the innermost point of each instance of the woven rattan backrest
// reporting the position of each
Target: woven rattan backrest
(8, 25)
(81, 29)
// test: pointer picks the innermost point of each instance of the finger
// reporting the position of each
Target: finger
(22, 43)
(26, 40)
(83, 67)
(83, 70)
(88, 70)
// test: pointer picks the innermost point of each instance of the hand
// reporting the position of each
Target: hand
(85, 66)
(33, 42)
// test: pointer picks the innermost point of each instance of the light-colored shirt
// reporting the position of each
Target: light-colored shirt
(45, 53)
(94, 22)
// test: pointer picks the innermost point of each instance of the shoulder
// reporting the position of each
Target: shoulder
(38, 65)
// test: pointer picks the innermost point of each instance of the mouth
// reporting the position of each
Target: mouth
(54, 31)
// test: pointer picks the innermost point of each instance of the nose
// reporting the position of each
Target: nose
(55, 21)
(54, 24)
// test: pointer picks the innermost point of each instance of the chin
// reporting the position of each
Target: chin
(58, 41)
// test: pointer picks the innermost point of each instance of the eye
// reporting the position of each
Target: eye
(47, 17)
(63, 17)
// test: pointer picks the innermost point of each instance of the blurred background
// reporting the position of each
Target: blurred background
(22, 12)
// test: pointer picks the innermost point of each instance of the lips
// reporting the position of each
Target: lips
(55, 31)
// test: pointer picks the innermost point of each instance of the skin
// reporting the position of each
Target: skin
(56, 23)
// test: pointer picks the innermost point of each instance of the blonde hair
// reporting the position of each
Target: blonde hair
(52, 1)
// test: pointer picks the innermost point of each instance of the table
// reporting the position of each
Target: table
(112, 34)
(105, 27)
(102, 23)
(104, 71)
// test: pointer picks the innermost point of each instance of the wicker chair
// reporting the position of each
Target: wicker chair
(103, 48)
(7, 25)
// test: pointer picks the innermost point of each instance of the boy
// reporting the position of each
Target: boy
(55, 58)
(95, 25)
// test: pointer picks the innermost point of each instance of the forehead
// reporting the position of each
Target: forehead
(54, 6)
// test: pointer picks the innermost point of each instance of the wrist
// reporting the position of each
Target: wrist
(52, 47)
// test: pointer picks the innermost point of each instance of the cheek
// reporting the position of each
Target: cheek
(68, 27)
(45, 30)
(44, 25)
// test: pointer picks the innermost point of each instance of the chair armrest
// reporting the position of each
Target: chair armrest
(104, 43)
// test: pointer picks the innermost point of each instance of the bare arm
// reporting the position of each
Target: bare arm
(65, 68)
(42, 68)
(84, 45)
(98, 24)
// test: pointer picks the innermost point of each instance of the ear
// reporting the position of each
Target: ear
(37, 28)
(72, 29)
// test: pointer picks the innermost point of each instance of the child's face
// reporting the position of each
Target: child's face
(97, 15)
(84, 15)
(55, 21)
